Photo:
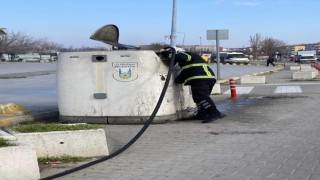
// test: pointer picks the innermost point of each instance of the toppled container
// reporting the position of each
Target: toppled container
(118, 87)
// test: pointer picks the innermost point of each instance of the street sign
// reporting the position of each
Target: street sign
(223, 34)
(217, 35)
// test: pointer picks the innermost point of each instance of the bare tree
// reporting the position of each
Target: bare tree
(154, 46)
(43, 45)
(255, 43)
(14, 43)
(271, 46)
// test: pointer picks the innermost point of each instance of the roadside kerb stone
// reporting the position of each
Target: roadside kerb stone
(216, 89)
(303, 75)
(295, 68)
(305, 66)
(84, 143)
(252, 80)
(227, 80)
(7, 136)
(18, 163)
(312, 70)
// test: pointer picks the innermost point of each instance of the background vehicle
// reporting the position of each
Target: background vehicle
(230, 57)
(306, 56)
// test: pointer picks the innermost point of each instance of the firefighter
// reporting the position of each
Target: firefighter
(196, 73)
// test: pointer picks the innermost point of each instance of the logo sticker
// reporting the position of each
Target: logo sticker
(125, 71)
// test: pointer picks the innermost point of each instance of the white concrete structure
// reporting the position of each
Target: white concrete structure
(312, 69)
(216, 89)
(301, 67)
(117, 87)
(7, 136)
(18, 163)
(252, 79)
(304, 75)
(84, 143)
(241, 90)
(305, 66)
(295, 68)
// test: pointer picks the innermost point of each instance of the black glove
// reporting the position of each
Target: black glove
(177, 80)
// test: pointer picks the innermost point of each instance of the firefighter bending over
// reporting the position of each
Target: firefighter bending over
(196, 73)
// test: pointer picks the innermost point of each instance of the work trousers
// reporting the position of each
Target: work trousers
(201, 90)
(270, 62)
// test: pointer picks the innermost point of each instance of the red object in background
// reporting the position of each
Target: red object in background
(317, 66)
(233, 89)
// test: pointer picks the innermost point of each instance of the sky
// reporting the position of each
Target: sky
(142, 22)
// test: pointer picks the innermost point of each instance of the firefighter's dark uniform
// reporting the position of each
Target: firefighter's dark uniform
(196, 73)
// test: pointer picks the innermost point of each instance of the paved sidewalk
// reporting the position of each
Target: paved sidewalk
(267, 135)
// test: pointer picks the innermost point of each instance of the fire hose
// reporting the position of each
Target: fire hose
(136, 137)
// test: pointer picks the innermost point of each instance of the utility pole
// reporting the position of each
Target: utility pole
(200, 46)
(173, 25)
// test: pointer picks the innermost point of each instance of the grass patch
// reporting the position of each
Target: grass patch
(47, 127)
(5, 143)
(62, 159)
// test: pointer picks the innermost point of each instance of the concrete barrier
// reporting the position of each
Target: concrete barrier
(304, 75)
(252, 80)
(84, 143)
(216, 89)
(305, 66)
(18, 163)
(7, 136)
(312, 70)
(295, 68)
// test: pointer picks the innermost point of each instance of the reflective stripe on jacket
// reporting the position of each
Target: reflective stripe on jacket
(193, 67)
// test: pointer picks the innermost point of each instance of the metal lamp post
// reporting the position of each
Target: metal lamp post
(173, 25)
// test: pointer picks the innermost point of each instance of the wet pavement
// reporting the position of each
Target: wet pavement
(268, 134)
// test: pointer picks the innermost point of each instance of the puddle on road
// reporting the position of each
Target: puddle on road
(231, 105)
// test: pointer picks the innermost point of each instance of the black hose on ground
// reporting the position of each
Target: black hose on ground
(135, 138)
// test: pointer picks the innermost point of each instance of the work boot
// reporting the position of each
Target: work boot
(198, 116)
(213, 117)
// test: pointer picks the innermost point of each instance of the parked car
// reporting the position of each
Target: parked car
(230, 57)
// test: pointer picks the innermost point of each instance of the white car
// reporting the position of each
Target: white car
(231, 57)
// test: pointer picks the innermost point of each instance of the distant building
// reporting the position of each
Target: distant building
(298, 48)
(203, 49)
(306, 47)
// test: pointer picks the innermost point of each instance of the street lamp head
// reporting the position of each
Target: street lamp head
(2, 31)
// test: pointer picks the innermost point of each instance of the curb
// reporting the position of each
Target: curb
(83, 143)
(19, 162)
(254, 74)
